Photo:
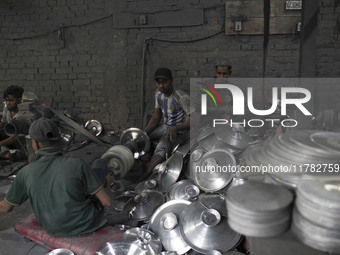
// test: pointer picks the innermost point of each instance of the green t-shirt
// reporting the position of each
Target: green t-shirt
(59, 190)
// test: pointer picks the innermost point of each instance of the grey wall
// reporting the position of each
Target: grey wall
(96, 72)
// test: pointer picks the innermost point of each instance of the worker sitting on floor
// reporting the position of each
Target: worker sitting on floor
(61, 189)
(13, 97)
(173, 105)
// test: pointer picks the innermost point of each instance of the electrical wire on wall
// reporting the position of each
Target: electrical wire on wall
(147, 41)
(58, 29)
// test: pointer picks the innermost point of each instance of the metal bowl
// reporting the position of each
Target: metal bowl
(165, 224)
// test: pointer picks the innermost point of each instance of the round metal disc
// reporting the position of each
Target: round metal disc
(259, 197)
(327, 140)
(315, 236)
(318, 200)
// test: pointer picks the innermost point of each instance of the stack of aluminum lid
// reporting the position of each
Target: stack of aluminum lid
(259, 209)
(296, 154)
(316, 216)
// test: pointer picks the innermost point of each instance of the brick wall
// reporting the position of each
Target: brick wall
(96, 71)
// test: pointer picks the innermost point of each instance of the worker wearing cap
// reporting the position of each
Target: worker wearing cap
(59, 188)
(173, 105)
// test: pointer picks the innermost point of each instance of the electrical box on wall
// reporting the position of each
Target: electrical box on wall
(246, 17)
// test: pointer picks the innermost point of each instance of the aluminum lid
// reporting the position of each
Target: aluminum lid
(143, 205)
(215, 201)
(120, 247)
(184, 189)
(206, 229)
(170, 171)
(151, 184)
(233, 135)
(214, 170)
(145, 239)
(165, 224)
